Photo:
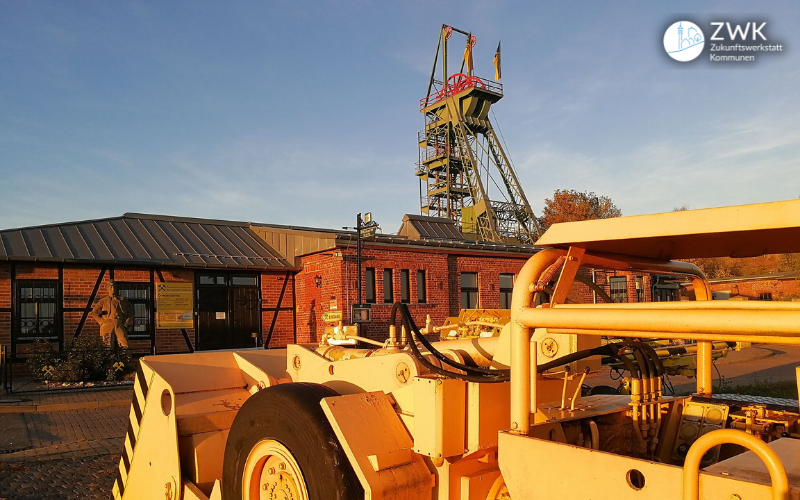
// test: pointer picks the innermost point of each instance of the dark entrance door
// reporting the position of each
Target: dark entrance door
(228, 310)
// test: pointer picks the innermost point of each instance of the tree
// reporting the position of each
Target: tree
(568, 205)
(789, 262)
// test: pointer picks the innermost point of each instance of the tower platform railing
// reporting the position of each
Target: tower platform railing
(458, 83)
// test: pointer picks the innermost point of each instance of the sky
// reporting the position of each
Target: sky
(306, 113)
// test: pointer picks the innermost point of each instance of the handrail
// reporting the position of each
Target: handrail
(691, 466)
(457, 83)
(711, 323)
(759, 305)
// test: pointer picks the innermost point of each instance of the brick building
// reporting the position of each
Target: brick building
(769, 286)
(253, 284)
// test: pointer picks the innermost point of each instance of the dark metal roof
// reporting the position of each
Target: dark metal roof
(145, 240)
(451, 245)
(421, 227)
(347, 238)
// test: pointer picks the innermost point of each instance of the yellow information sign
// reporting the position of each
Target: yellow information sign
(174, 305)
(332, 316)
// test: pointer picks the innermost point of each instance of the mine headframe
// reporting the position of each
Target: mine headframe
(461, 160)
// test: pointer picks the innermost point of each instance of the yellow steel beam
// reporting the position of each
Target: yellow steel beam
(739, 231)
(717, 323)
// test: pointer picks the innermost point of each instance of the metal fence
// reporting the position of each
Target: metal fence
(5, 370)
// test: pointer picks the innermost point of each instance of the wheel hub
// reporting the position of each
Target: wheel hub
(276, 483)
(272, 473)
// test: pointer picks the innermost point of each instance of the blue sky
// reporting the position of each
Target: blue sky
(306, 113)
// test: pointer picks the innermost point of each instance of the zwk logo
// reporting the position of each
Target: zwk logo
(737, 31)
(684, 41)
(730, 41)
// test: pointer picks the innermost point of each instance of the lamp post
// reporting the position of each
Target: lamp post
(358, 259)
(364, 227)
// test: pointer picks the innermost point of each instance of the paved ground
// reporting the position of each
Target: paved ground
(67, 454)
(66, 445)
(80, 399)
(762, 364)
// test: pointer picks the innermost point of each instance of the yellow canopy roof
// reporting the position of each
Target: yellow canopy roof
(738, 231)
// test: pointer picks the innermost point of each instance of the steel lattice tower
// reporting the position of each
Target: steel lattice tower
(460, 157)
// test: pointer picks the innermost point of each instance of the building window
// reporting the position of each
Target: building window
(506, 289)
(469, 290)
(405, 286)
(422, 295)
(37, 304)
(619, 288)
(765, 296)
(388, 295)
(370, 285)
(213, 279)
(225, 279)
(138, 294)
(640, 297)
(244, 280)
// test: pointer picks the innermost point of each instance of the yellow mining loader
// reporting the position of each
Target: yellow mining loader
(491, 418)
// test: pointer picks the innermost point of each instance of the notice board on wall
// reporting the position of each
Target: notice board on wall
(174, 305)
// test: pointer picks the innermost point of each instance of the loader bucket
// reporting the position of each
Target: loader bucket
(181, 411)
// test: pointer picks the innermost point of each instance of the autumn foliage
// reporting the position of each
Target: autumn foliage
(568, 205)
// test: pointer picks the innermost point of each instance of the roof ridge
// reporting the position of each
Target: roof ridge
(172, 218)
(58, 224)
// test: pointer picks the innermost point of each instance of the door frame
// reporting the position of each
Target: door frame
(229, 286)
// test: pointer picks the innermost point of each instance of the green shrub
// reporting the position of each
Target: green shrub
(43, 359)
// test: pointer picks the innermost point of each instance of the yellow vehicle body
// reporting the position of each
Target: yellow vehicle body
(472, 323)
(401, 424)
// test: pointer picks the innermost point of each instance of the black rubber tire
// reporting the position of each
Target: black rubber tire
(292, 415)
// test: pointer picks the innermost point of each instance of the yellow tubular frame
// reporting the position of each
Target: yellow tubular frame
(705, 322)
(691, 467)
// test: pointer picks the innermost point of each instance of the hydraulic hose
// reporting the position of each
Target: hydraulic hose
(655, 363)
(480, 374)
(642, 361)
(603, 350)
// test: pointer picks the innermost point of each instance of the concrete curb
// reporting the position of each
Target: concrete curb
(89, 405)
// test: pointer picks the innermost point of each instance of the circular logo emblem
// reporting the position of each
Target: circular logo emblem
(684, 41)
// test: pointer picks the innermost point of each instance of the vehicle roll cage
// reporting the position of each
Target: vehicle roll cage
(701, 320)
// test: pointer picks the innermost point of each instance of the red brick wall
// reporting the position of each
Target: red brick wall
(313, 300)
(79, 282)
(780, 289)
(489, 270)
(277, 298)
(337, 271)
(5, 304)
(601, 278)
(35, 272)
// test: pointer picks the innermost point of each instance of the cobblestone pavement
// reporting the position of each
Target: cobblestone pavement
(68, 454)
(85, 397)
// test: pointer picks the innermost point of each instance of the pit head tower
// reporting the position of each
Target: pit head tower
(461, 161)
